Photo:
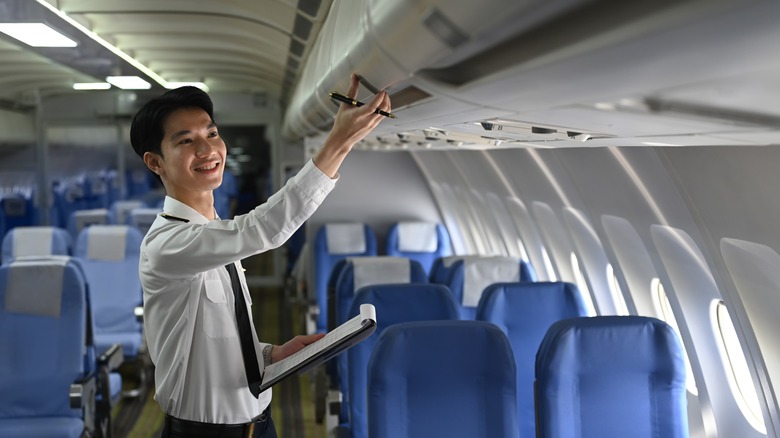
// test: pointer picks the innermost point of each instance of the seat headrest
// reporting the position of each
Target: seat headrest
(30, 241)
(345, 238)
(417, 237)
(122, 210)
(107, 242)
(603, 343)
(481, 273)
(35, 286)
(448, 261)
(380, 270)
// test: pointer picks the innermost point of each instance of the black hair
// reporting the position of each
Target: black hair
(146, 130)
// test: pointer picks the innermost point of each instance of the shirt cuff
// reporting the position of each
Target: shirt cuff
(313, 181)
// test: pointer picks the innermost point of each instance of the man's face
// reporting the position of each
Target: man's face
(193, 154)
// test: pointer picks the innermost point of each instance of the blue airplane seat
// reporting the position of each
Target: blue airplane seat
(442, 379)
(359, 272)
(223, 194)
(43, 321)
(395, 303)
(420, 241)
(334, 242)
(610, 377)
(109, 256)
(143, 218)
(137, 182)
(35, 241)
(96, 190)
(524, 311)
(81, 219)
(469, 277)
(120, 210)
(17, 210)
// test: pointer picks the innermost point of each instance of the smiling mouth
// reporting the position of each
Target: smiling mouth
(207, 167)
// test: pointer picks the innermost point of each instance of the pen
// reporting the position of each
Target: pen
(353, 102)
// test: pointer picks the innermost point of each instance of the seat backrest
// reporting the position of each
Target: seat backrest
(524, 311)
(17, 210)
(420, 241)
(334, 242)
(81, 219)
(142, 219)
(43, 326)
(120, 210)
(442, 379)
(109, 256)
(36, 241)
(396, 303)
(611, 376)
(469, 277)
(442, 267)
(360, 272)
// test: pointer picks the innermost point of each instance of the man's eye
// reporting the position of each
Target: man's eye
(213, 134)
(185, 141)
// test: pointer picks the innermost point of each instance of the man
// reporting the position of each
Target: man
(196, 303)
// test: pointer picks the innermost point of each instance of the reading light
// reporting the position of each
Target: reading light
(36, 35)
(128, 82)
(201, 85)
(91, 86)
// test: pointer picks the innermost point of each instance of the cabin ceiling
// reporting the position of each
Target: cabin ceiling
(255, 46)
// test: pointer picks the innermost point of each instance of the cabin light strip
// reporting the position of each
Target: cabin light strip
(146, 70)
(36, 35)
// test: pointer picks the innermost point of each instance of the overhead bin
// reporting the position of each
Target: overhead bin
(567, 66)
(387, 44)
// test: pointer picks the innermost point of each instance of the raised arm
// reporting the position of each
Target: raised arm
(352, 125)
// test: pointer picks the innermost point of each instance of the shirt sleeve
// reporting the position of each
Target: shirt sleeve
(183, 249)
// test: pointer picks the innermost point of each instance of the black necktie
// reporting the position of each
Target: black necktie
(245, 334)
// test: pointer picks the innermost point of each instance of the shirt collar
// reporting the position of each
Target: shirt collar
(179, 209)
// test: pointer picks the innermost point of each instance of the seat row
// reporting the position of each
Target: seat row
(531, 365)
(54, 382)
(106, 261)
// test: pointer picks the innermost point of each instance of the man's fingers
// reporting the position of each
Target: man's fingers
(354, 83)
(375, 102)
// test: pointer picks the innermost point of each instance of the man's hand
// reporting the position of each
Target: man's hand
(352, 124)
(279, 352)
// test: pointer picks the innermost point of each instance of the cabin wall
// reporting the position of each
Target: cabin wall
(680, 204)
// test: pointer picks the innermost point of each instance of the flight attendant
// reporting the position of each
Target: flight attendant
(197, 308)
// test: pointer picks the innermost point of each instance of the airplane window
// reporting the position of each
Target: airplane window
(737, 368)
(664, 311)
(616, 292)
(582, 285)
(548, 266)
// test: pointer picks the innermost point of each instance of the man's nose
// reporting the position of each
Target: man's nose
(203, 148)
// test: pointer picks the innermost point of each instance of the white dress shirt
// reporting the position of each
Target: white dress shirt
(189, 313)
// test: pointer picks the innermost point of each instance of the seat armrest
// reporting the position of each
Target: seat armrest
(139, 313)
(112, 358)
(83, 395)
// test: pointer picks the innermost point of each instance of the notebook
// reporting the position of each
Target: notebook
(334, 342)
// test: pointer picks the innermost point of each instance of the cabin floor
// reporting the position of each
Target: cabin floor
(277, 319)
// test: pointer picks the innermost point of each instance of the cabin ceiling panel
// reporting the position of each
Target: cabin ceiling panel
(235, 45)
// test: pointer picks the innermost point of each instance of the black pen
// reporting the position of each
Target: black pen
(353, 102)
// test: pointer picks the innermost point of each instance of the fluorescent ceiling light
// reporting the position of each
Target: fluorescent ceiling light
(146, 70)
(128, 82)
(201, 85)
(91, 86)
(36, 35)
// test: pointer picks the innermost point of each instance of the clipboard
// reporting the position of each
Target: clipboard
(334, 342)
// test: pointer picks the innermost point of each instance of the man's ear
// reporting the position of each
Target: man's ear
(152, 161)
